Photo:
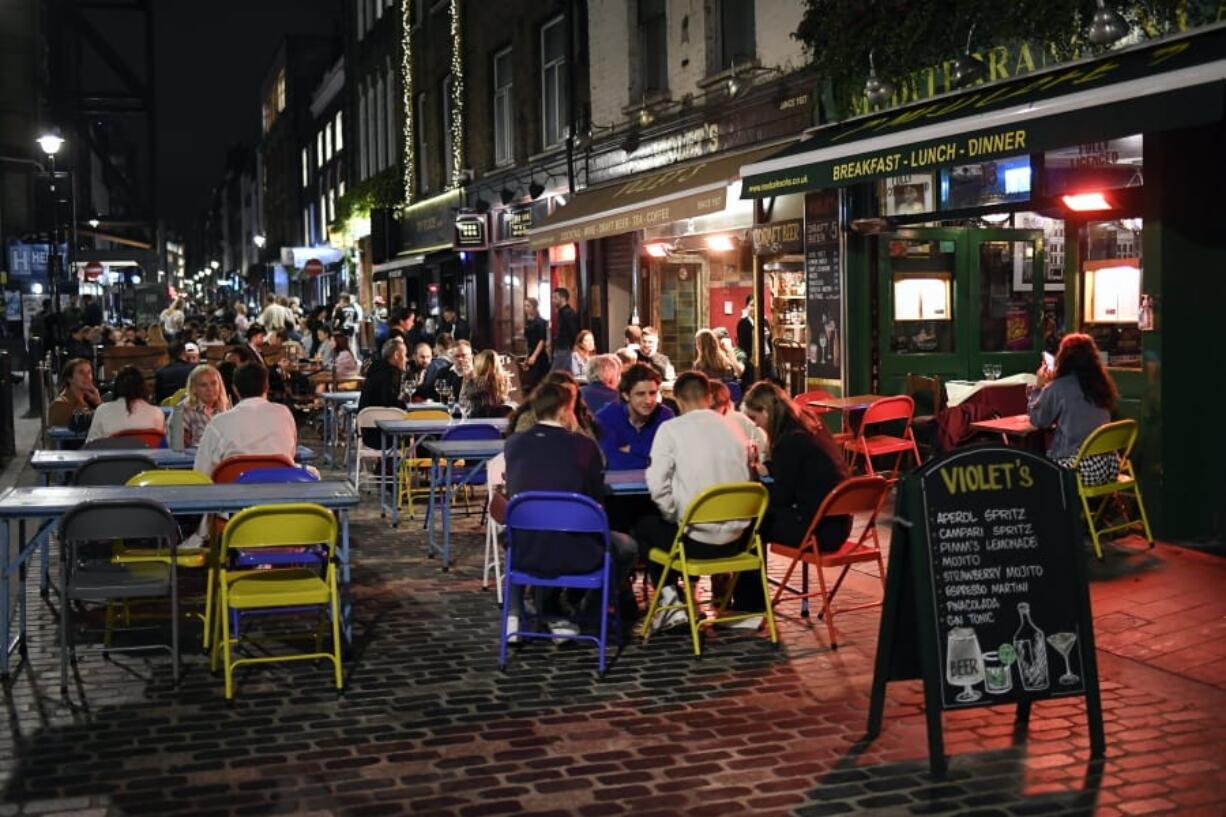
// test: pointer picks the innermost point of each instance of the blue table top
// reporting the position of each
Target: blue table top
(626, 482)
(340, 396)
(435, 426)
(47, 460)
(458, 449)
(19, 503)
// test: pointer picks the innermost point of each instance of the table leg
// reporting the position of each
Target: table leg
(346, 603)
(23, 572)
(430, 505)
(448, 497)
(394, 476)
(4, 600)
(382, 470)
(325, 424)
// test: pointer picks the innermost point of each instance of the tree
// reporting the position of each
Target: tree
(904, 35)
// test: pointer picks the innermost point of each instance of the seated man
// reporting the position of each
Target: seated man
(603, 372)
(575, 465)
(253, 426)
(383, 384)
(697, 450)
(453, 375)
(627, 429)
(419, 365)
(650, 349)
(173, 376)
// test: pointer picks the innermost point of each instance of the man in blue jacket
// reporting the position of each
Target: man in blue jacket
(628, 427)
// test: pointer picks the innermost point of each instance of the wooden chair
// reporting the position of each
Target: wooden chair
(146, 358)
(858, 495)
(928, 393)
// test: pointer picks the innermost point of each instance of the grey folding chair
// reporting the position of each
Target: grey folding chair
(113, 470)
(99, 581)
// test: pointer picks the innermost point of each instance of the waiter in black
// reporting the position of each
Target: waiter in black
(567, 326)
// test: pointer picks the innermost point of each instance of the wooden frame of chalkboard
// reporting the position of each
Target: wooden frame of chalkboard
(987, 597)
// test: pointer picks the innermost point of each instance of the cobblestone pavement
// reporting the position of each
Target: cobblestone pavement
(428, 725)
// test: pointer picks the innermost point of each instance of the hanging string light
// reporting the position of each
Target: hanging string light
(406, 84)
(457, 96)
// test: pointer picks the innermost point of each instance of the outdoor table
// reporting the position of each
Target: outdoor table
(50, 462)
(475, 453)
(625, 483)
(46, 505)
(1016, 425)
(331, 401)
(848, 406)
(958, 391)
(63, 434)
(390, 432)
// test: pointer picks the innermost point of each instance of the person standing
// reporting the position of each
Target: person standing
(566, 330)
(172, 318)
(345, 317)
(536, 332)
(454, 325)
(91, 311)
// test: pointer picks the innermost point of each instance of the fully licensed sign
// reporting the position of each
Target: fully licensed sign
(988, 585)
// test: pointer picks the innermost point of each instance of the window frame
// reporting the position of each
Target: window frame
(504, 154)
(557, 67)
(644, 49)
(725, 60)
(423, 143)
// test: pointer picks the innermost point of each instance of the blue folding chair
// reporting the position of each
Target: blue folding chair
(565, 513)
(294, 556)
(264, 476)
(734, 391)
(469, 432)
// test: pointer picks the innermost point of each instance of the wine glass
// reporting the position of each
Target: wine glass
(1063, 642)
(964, 663)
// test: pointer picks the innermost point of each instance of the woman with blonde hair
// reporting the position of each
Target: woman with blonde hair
(712, 360)
(486, 388)
(206, 398)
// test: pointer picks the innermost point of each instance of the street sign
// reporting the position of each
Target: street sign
(986, 595)
(313, 267)
(93, 271)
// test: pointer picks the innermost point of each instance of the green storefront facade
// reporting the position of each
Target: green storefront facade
(976, 227)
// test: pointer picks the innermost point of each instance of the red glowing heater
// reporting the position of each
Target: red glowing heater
(656, 250)
(1086, 202)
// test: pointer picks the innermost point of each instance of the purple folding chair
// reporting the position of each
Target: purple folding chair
(566, 513)
(465, 476)
(309, 555)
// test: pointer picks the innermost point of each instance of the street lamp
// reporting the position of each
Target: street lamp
(260, 241)
(51, 144)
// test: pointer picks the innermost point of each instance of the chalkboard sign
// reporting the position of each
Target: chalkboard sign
(987, 580)
(823, 293)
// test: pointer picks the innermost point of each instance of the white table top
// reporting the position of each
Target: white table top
(958, 391)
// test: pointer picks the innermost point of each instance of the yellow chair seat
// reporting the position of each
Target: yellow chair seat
(1122, 482)
(706, 567)
(290, 587)
(186, 557)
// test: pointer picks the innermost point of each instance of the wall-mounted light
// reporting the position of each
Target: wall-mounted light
(1107, 26)
(656, 250)
(878, 91)
(535, 189)
(631, 143)
(507, 195)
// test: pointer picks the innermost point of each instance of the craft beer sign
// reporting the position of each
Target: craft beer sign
(989, 583)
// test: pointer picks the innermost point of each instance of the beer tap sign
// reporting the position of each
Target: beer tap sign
(987, 598)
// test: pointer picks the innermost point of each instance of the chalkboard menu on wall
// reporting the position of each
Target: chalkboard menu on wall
(988, 580)
(824, 357)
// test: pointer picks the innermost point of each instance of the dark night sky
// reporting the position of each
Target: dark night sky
(211, 60)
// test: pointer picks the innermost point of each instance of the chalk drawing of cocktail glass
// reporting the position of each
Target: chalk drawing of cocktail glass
(964, 663)
(998, 675)
(1063, 643)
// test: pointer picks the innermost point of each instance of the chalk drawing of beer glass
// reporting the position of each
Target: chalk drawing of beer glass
(964, 663)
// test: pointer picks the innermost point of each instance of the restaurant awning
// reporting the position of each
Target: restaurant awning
(685, 191)
(393, 268)
(1165, 84)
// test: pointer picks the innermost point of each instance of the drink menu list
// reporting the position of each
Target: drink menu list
(822, 289)
(1002, 578)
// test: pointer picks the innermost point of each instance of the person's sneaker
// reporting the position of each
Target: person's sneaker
(563, 628)
(751, 623)
(512, 628)
(668, 619)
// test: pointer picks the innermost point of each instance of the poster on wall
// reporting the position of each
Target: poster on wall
(822, 288)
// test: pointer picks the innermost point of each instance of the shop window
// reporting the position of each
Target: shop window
(984, 184)
(922, 276)
(736, 33)
(1006, 296)
(1111, 290)
(339, 132)
(1109, 165)
(554, 108)
(907, 195)
(502, 108)
(653, 46)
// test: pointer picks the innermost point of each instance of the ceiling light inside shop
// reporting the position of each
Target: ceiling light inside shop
(720, 243)
(1086, 202)
(656, 250)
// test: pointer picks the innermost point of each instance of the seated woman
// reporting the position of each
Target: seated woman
(805, 466)
(77, 392)
(206, 398)
(712, 360)
(1075, 399)
(580, 354)
(486, 389)
(130, 409)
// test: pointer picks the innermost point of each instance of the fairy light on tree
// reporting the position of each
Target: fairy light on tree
(406, 70)
(457, 96)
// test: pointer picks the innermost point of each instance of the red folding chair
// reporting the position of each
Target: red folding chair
(857, 495)
(231, 468)
(151, 437)
(867, 445)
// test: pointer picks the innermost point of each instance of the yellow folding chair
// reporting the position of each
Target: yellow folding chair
(412, 468)
(720, 503)
(277, 590)
(1112, 438)
(176, 398)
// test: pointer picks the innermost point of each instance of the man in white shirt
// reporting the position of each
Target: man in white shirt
(691, 453)
(253, 426)
(276, 316)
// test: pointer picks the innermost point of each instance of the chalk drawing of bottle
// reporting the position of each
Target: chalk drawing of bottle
(1031, 647)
